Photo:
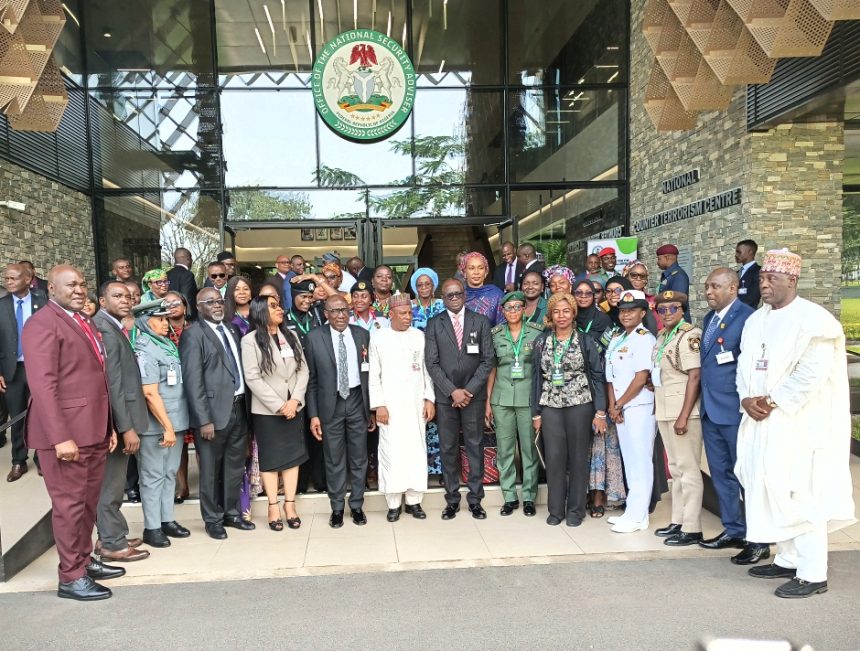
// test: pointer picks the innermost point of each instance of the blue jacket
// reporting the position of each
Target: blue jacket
(720, 402)
(674, 278)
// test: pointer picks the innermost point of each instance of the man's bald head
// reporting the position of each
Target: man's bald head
(67, 287)
(721, 288)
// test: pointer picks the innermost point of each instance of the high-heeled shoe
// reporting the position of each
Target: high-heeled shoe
(276, 525)
(292, 523)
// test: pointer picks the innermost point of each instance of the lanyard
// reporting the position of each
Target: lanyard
(360, 322)
(556, 356)
(308, 319)
(666, 341)
(587, 328)
(612, 348)
(515, 346)
(132, 337)
(166, 345)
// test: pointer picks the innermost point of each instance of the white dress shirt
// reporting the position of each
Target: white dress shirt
(26, 311)
(745, 268)
(352, 371)
(241, 390)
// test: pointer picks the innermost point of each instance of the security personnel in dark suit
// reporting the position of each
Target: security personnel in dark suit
(720, 409)
(15, 309)
(300, 319)
(339, 406)
(183, 281)
(509, 270)
(748, 291)
(459, 357)
(673, 278)
(215, 390)
(130, 416)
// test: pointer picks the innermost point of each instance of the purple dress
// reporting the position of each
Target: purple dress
(486, 300)
(252, 484)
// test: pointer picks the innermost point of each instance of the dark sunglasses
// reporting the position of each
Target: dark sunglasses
(583, 294)
(211, 301)
(668, 309)
(217, 275)
(453, 295)
(638, 276)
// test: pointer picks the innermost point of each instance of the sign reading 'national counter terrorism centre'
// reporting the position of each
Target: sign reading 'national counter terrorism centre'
(710, 204)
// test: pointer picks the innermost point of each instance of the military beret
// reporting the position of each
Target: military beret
(668, 249)
(608, 250)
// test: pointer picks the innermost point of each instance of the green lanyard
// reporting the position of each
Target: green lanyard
(166, 345)
(612, 349)
(556, 356)
(587, 328)
(666, 341)
(304, 330)
(132, 337)
(515, 346)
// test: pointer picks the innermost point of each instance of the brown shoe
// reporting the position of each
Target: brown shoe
(134, 543)
(126, 555)
(18, 470)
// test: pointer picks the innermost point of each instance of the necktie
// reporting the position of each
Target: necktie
(234, 367)
(509, 276)
(711, 331)
(88, 331)
(125, 332)
(458, 331)
(342, 369)
(19, 318)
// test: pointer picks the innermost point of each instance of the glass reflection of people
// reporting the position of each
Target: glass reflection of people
(568, 401)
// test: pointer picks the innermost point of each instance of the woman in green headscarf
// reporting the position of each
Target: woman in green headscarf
(158, 458)
(155, 285)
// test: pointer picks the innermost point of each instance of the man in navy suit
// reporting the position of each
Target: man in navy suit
(721, 412)
(748, 290)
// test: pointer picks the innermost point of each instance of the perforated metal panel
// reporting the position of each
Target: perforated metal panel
(838, 9)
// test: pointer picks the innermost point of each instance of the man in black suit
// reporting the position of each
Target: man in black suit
(339, 406)
(527, 256)
(357, 268)
(183, 281)
(748, 290)
(130, 416)
(459, 355)
(215, 390)
(35, 281)
(507, 274)
(15, 308)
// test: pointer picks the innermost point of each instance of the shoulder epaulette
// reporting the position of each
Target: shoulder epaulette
(497, 329)
(535, 326)
(642, 331)
(686, 327)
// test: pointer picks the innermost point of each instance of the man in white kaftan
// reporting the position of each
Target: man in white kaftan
(793, 441)
(401, 392)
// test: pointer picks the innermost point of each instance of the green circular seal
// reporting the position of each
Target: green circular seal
(364, 85)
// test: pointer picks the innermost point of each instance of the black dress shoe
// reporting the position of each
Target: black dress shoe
(553, 521)
(450, 511)
(723, 541)
(358, 517)
(772, 571)
(752, 554)
(393, 515)
(216, 531)
(800, 589)
(416, 511)
(509, 507)
(682, 539)
(133, 496)
(336, 519)
(669, 530)
(478, 511)
(98, 571)
(83, 589)
(174, 530)
(529, 509)
(239, 523)
(155, 538)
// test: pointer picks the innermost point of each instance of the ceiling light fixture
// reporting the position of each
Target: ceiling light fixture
(606, 65)
(388, 31)
(441, 66)
(403, 39)
(614, 75)
(322, 20)
(445, 14)
(284, 15)
(310, 49)
(355, 14)
(272, 28)
(260, 41)
(107, 34)
(71, 15)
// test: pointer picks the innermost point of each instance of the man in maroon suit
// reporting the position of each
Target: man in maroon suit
(68, 423)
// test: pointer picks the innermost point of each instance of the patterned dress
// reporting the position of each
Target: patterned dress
(486, 300)
(420, 317)
(252, 483)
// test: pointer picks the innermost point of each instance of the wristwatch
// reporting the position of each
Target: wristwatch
(770, 402)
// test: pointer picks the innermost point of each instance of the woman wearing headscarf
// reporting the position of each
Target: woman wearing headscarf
(559, 279)
(636, 272)
(155, 285)
(481, 298)
(425, 305)
(589, 320)
(532, 285)
(161, 443)
(614, 287)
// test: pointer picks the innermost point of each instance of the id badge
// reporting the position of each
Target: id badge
(557, 377)
(656, 376)
(761, 365)
(172, 376)
(365, 367)
(472, 349)
(725, 357)
(286, 352)
(517, 370)
(742, 291)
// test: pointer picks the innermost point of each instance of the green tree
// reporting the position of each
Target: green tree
(254, 204)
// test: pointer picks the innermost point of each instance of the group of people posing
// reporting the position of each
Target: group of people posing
(575, 373)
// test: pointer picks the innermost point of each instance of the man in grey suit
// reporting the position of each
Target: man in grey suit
(339, 406)
(459, 354)
(15, 309)
(129, 413)
(215, 389)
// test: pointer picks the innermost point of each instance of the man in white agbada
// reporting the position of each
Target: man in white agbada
(793, 442)
(401, 392)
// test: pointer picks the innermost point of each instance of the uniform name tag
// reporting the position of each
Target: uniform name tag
(172, 376)
(557, 377)
(742, 291)
(725, 357)
(761, 365)
(365, 367)
(286, 352)
(656, 377)
(472, 349)
(517, 371)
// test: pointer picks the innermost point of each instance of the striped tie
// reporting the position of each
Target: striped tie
(458, 331)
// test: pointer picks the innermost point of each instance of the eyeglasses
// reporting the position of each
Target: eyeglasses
(211, 301)
(453, 295)
(668, 309)
(583, 294)
(617, 291)
(330, 277)
(213, 276)
(638, 276)
(172, 304)
(161, 283)
(338, 311)
(513, 308)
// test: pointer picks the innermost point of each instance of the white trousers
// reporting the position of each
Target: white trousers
(807, 553)
(412, 498)
(636, 436)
